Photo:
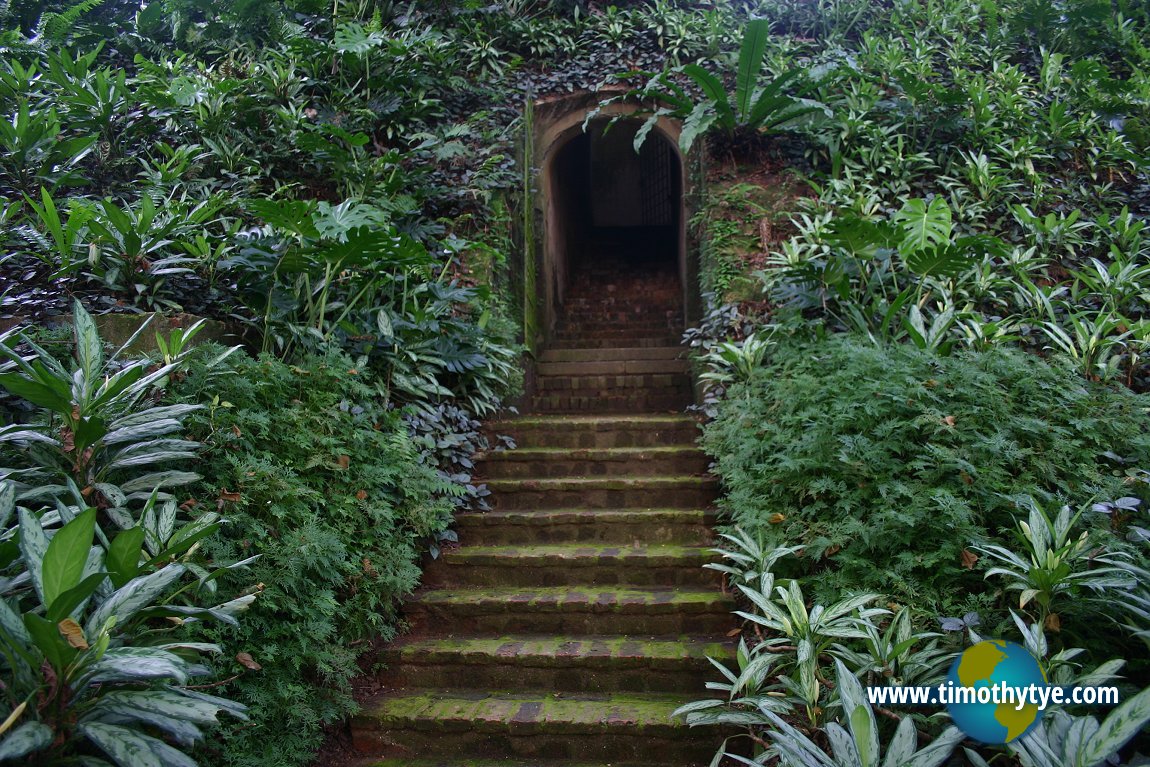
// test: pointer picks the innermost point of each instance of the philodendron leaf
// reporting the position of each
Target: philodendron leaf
(64, 561)
(25, 739)
(924, 225)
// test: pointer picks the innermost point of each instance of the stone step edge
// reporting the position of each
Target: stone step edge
(590, 453)
(568, 712)
(596, 651)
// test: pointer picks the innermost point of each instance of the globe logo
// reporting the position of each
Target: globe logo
(988, 669)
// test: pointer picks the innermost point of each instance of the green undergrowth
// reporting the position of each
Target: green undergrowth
(324, 484)
(887, 463)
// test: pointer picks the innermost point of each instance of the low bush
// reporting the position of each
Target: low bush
(323, 482)
(889, 463)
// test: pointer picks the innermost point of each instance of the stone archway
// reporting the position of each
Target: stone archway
(592, 186)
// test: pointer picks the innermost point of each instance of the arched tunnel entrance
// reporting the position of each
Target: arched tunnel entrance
(613, 221)
(618, 208)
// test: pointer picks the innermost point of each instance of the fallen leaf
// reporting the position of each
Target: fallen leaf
(734, 632)
(949, 420)
(966, 478)
(227, 495)
(236, 431)
(247, 661)
(73, 633)
(776, 518)
(344, 461)
(1052, 623)
(969, 559)
(361, 495)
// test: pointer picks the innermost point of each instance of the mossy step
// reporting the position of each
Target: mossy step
(607, 663)
(576, 555)
(596, 610)
(597, 431)
(569, 564)
(527, 725)
(550, 650)
(651, 526)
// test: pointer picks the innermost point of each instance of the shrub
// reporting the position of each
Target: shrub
(323, 482)
(888, 462)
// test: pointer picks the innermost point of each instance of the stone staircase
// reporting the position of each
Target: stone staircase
(575, 616)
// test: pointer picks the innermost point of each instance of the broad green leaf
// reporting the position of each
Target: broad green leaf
(49, 641)
(68, 601)
(36, 393)
(124, 555)
(29, 737)
(697, 123)
(66, 556)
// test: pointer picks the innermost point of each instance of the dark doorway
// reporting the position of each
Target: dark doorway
(618, 210)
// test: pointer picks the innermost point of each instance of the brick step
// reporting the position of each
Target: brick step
(570, 403)
(682, 492)
(573, 564)
(608, 385)
(618, 329)
(572, 610)
(613, 368)
(649, 526)
(606, 355)
(529, 725)
(556, 663)
(649, 342)
(598, 431)
(592, 462)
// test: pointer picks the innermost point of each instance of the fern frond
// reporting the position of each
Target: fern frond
(55, 26)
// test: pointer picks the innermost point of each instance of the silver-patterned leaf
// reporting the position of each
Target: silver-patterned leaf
(132, 597)
(25, 739)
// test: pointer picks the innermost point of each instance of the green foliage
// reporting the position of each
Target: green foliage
(100, 432)
(83, 667)
(753, 107)
(320, 479)
(858, 744)
(877, 454)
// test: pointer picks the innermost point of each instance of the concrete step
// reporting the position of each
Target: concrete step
(584, 663)
(572, 610)
(592, 462)
(529, 725)
(649, 526)
(681, 492)
(573, 564)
